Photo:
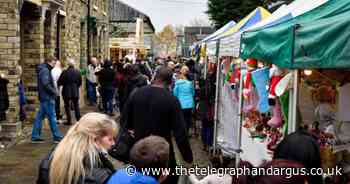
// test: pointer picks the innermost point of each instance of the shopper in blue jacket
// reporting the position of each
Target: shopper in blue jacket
(47, 94)
(184, 91)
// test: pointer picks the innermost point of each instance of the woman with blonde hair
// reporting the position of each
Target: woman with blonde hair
(184, 91)
(80, 158)
(184, 72)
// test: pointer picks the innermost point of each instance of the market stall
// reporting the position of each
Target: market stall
(303, 46)
(228, 134)
(263, 139)
(227, 126)
(219, 32)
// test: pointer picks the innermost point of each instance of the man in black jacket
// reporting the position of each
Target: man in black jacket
(152, 110)
(71, 80)
(106, 79)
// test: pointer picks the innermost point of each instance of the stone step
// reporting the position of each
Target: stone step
(10, 130)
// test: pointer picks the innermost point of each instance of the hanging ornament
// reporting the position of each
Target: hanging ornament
(275, 77)
(276, 120)
(283, 84)
(261, 80)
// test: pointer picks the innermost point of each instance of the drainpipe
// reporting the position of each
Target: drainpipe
(88, 31)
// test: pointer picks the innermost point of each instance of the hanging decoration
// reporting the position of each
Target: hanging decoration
(261, 80)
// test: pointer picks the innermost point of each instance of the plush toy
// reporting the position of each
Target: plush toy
(231, 78)
(324, 112)
(251, 118)
(251, 102)
(235, 75)
(252, 64)
(250, 97)
(248, 123)
(274, 137)
(328, 158)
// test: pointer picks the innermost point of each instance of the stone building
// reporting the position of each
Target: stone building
(132, 31)
(31, 30)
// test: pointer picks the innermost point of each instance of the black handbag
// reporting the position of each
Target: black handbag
(123, 144)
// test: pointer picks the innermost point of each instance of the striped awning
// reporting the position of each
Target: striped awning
(254, 17)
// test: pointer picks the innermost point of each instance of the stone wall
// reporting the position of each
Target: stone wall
(100, 11)
(28, 34)
(9, 56)
(50, 32)
(76, 31)
(32, 52)
(76, 12)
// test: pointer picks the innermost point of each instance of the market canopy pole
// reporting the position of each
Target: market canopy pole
(295, 100)
(217, 92)
(240, 115)
(206, 60)
(293, 103)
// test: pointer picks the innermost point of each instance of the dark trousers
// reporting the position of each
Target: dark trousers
(121, 99)
(188, 118)
(58, 108)
(207, 132)
(91, 92)
(22, 113)
(172, 178)
(107, 94)
(67, 107)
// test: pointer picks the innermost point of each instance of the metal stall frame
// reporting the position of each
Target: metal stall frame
(217, 93)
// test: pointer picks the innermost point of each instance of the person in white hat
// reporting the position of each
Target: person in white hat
(70, 80)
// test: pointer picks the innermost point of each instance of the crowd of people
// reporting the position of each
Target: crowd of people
(114, 82)
(82, 157)
(159, 105)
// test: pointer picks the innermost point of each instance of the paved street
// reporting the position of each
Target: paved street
(19, 164)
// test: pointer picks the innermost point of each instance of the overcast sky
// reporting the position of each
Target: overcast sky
(175, 12)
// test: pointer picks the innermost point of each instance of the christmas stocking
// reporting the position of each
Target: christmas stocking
(261, 80)
(247, 85)
(276, 120)
(275, 77)
(273, 83)
(284, 101)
